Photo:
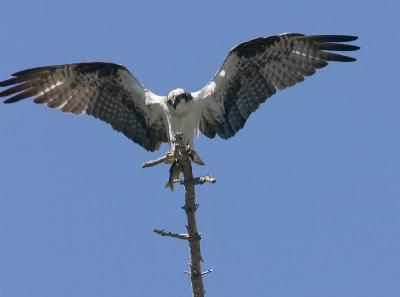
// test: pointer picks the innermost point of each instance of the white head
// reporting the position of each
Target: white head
(179, 100)
(176, 92)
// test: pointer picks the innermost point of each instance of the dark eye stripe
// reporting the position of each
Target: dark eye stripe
(187, 96)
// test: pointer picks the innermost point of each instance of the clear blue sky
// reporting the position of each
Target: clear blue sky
(307, 202)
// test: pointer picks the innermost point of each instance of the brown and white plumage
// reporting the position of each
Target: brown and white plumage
(104, 90)
(252, 72)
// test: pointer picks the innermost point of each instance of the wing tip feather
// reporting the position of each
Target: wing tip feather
(331, 38)
(34, 70)
(12, 100)
(7, 82)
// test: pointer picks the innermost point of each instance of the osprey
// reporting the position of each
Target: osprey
(252, 72)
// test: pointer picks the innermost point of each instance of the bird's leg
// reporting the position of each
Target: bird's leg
(194, 156)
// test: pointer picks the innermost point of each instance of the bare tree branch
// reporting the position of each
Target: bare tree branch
(181, 162)
(182, 155)
(170, 234)
(200, 180)
(207, 271)
(167, 158)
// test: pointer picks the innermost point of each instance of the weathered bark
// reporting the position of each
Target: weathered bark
(182, 156)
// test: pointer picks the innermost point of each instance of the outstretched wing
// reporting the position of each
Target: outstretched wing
(104, 90)
(256, 69)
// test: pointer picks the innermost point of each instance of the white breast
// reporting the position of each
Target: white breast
(183, 120)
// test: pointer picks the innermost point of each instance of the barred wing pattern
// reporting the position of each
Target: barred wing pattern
(256, 69)
(105, 91)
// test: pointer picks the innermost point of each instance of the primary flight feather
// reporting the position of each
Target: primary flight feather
(252, 72)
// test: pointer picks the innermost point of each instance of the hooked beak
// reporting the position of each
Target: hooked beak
(170, 102)
(173, 103)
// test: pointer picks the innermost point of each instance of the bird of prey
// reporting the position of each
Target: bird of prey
(252, 72)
